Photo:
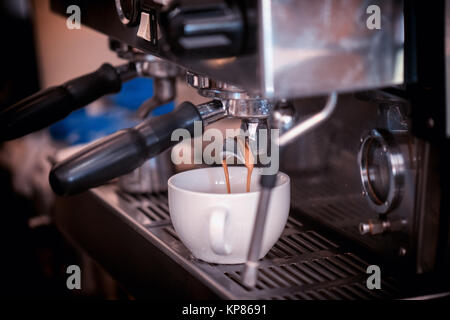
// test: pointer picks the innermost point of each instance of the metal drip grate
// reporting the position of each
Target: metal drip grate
(340, 276)
(326, 198)
(303, 264)
(151, 210)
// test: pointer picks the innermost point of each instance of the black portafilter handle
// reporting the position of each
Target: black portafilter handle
(51, 105)
(123, 151)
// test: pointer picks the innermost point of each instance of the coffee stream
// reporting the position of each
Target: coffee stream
(227, 176)
(249, 164)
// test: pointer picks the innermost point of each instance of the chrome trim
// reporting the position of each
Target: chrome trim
(396, 163)
(120, 13)
(310, 123)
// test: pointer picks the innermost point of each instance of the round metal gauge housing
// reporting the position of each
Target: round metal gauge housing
(382, 169)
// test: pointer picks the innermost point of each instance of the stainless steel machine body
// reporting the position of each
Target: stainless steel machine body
(368, 180)
(371, 174)
(304, 47)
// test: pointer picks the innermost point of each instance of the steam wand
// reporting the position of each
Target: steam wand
(268, 182)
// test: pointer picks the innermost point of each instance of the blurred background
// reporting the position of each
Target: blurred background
(39, 51)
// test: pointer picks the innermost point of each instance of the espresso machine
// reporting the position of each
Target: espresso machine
(362, 110)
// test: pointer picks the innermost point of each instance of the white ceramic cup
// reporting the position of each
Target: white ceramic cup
(215, 226)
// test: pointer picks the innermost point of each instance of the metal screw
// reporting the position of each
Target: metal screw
(364, 228)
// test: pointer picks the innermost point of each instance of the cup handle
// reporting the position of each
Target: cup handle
(217, 224)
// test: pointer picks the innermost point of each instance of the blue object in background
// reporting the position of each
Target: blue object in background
(135, 92)
(81, 127)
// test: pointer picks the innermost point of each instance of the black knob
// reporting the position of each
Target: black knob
(209, 28)
(129, 12)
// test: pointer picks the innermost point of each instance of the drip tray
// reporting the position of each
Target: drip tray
(132, 237)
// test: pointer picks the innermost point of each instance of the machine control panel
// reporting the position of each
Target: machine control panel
(133, 13)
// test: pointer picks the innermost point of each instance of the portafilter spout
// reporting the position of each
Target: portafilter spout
(251, 109)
